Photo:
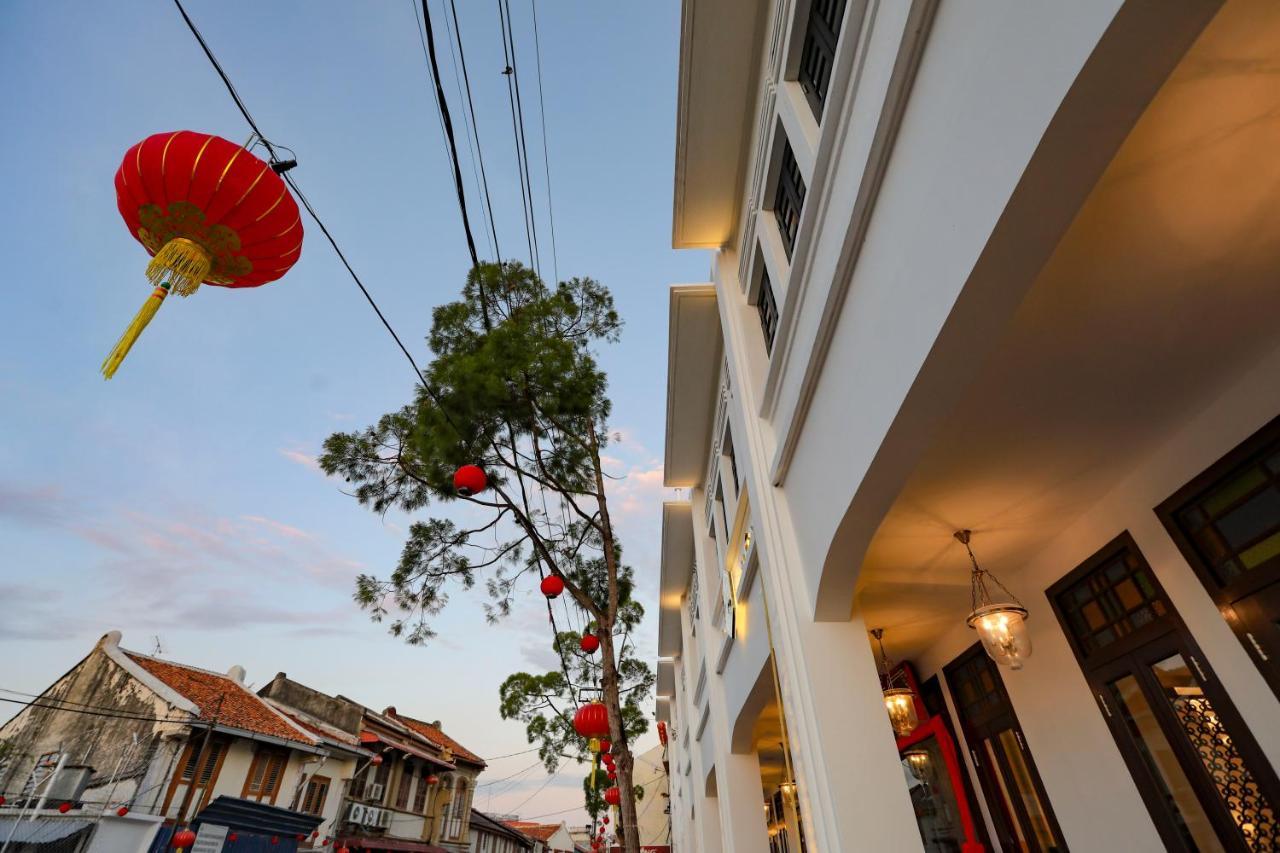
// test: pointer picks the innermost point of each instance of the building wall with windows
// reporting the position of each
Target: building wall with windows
(1000, 273)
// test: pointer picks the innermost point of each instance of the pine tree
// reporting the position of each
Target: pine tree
(514, 387)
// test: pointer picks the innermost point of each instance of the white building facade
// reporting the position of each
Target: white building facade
(1002, 267)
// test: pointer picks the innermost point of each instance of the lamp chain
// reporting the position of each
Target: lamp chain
(979, 595)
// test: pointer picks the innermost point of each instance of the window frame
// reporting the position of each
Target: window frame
(264, 755)
(1244, 601)
(767, 310)
(824, 40)
(988, 727)
(1133, 655)
(320, 783)
(788, 196)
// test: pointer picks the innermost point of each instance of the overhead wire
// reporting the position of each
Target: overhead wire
(546, 160)
(524, 144)
(509, 73)
(475, 126)
(471, 134)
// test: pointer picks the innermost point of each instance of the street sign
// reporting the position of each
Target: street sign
(210, 838)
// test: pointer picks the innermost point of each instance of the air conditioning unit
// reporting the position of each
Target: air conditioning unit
(373, 791)
(356, 813)
(384, 819)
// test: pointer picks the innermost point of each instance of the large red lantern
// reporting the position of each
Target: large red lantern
(589, 643)
(209, 212)
(613, 796)
(591, 720)
(183, 839)
(470, 480)
(662, 732)
(552, 586)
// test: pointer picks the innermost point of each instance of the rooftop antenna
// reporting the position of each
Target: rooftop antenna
(158, 650)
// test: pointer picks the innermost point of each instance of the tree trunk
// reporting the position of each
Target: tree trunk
(629, 831)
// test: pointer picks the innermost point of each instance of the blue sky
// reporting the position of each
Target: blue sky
(181, 498)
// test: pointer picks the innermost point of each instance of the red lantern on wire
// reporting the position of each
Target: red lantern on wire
(233, 838)
(552, 586)
(376, 760)
(433, 779)
(209, 212)
(606, 745)
(64, 808)
(470, 480)
(183, 839)
(605, 820)
(275, 839)
(122, 811)
(589, 643)
(591, 720)
(2, 800)
(613, 796)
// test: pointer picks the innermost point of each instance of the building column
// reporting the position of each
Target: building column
(706, 820)
(738, 790)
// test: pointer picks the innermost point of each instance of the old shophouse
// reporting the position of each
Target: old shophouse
(153, 737)
(987, 372)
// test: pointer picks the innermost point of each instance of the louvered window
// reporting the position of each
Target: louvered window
(317, 791)
(821, 33)
(789, 199)
(263, 782)
(420, 796)
(212, 754)
(767, 306)
(402, 790)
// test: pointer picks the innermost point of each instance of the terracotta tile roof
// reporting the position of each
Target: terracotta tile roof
(433, 733)
(539, 831)
(239, 707)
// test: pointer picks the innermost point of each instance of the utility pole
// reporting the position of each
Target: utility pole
(195, 771)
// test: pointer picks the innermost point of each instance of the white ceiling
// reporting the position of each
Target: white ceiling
(1163, 290)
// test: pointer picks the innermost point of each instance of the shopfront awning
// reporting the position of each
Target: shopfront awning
(406, 747)
(375, 843)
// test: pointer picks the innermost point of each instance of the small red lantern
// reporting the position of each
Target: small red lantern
(605, 820)
(275, 839)
(315, 833)
(591, 720)
(606, 745)
(233, 838)
(324, 843)
(122, 811)
(1, 801)
(433, 779)
(64, 808)
(470, 480)
(302, 836)
(552, 586)
(662, 732)
(613, 796)
(590, 643)
(184, 839)
(613, 775)
(376, 760)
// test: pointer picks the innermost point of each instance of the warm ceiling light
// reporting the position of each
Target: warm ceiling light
(1001, 624)
(918, 763)
(899, 701)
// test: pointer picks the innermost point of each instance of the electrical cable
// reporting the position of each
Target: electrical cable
(466, 79)
(546, 160)
(524, 144)
(443, 106)
(451, 38)
(509, 72)
(540, 789)
(35, 704)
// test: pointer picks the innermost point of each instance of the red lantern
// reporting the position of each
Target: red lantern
(552, 586)
(433, 779)
(605, 820)
(122, 811)
(183, 839)
(591, 720)
(606, 745)
(590, 643)
(315, 833)
(233, 838)
(662, 732)
(470, 480)
(613, 775)
(209, 212)
(302, 836)
(275, 839)
(324, 843)
(376, 760)
(64, 808)
(1, 800)
(613, 796)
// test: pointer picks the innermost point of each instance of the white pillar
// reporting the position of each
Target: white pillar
(738, 788)
(706, 819)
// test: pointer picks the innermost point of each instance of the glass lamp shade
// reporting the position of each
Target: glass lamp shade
(900, 702)
(918, 763)
(1003, 631)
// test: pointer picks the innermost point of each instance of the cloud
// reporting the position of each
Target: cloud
(299, 457)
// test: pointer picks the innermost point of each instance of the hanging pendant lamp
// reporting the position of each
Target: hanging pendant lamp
(899, 700)
(1001, 623)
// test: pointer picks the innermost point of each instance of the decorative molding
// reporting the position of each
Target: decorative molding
(910, 50)
(726, 646)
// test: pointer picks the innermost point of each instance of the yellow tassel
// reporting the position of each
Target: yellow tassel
(145, 313)
(181, 262)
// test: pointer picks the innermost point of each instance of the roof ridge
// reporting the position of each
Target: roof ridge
(134, 654)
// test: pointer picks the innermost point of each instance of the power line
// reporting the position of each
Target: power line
(466, 79)
(443, 106)
(512, 776)
(524, 144)
(546, 160)
(513, 754)
(244, 110)
(541, 787)
(36, 704)
(525, 198)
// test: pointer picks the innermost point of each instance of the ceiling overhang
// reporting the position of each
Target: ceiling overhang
(719, 60)
(677, 565)
(693, 369)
